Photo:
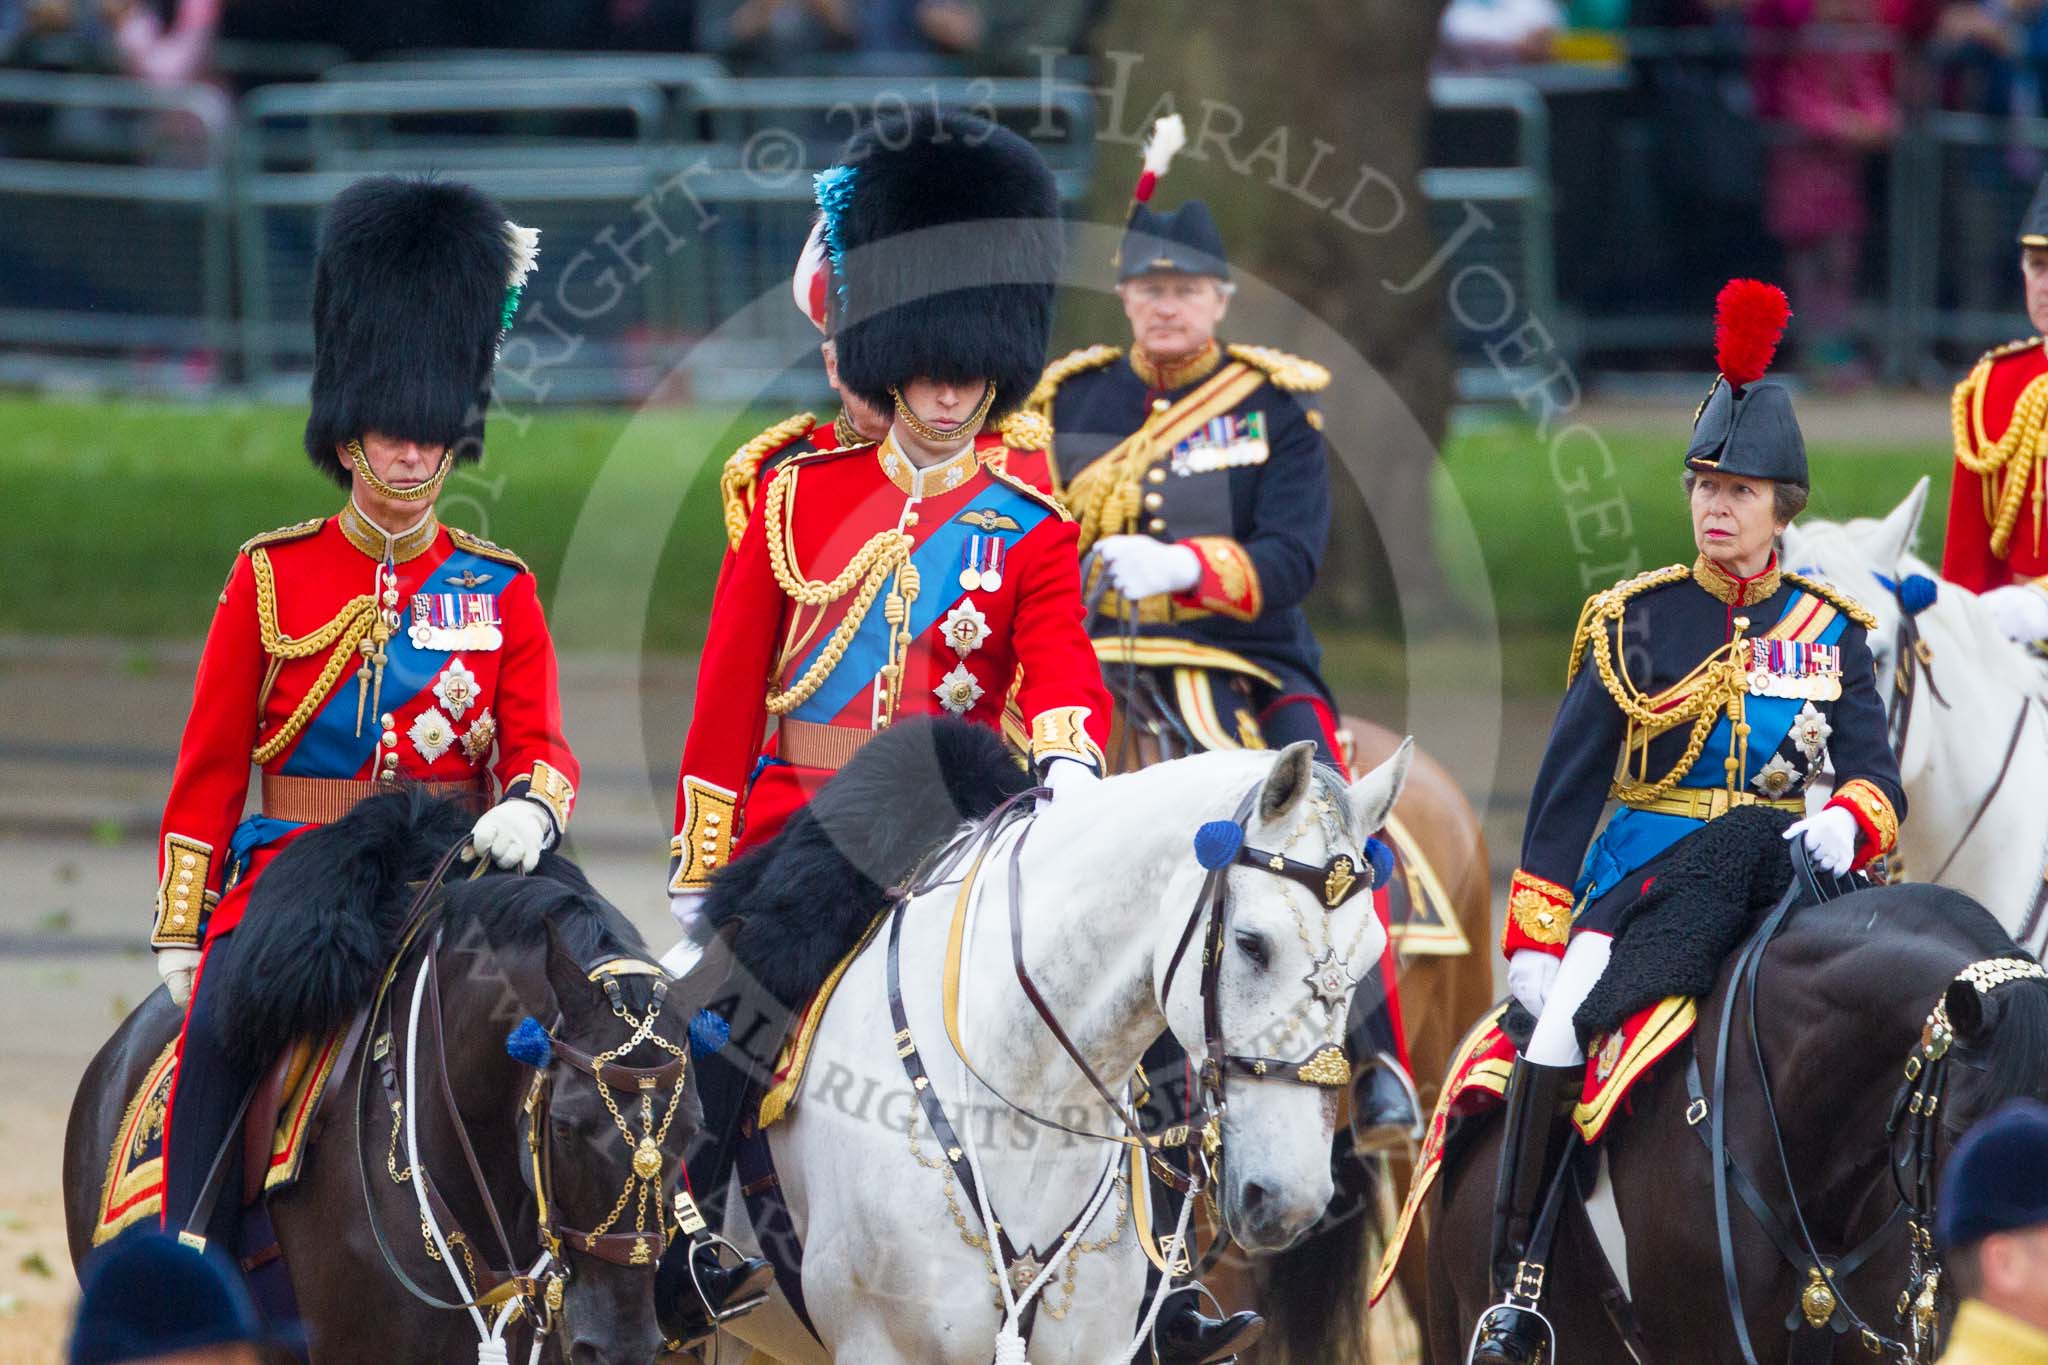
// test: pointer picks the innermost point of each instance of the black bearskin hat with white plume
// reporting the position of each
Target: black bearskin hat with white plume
(415, 283)
(945, 246)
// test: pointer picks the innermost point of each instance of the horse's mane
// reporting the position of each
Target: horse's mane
(321, 925)
(1937, 915)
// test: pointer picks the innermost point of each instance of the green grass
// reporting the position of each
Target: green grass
(123, 519)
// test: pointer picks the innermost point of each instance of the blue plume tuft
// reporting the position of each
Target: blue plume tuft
(529, 1043)
(1217, 843)
(1917, 593)
(1381, 859)
(834, 190)
(708, 1032)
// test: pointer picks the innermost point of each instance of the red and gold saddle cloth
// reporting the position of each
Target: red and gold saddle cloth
(1479, 1077)
(134, 1188)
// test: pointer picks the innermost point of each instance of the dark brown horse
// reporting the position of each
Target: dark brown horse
(1843, 995)
(496, 951)
(1314, 1294)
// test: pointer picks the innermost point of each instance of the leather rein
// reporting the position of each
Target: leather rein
(495, 1287)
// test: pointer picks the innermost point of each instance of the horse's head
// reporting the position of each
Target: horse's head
(1869, 558)
(1295, 930)
(605, 1111)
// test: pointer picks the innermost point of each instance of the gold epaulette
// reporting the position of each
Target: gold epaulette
(1609, 604)
(743, 467)
(477, 545)
(1026, 429)
(2012, 348)
(1065, 368)
(298, 530)
(1835, 597)
(1031, 490)
(1292, 373)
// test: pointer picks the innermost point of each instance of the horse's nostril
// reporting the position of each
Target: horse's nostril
(1254, 1196)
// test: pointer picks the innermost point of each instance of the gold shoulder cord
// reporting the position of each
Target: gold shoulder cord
(886, 553)
(345, 633)
(736, 479)
(1718, 684)
(2008, 462)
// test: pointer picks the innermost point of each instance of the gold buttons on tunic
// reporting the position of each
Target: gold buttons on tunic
(1156, 525)
(1160, 405)
(1154, 501)
(1155, 475)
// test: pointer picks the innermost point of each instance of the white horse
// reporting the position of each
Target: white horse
(1975, 758)
(896, 1263)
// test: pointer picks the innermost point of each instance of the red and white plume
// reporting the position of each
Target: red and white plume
(1749, 321)
(813, 277)
(1169, 135)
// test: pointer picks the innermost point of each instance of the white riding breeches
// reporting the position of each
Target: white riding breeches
(1555, 1042)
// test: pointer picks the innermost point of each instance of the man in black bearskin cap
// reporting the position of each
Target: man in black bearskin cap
(355, 652)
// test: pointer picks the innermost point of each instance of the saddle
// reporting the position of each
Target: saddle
(285, 1115)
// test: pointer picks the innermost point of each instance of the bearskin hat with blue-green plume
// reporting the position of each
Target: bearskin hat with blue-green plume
(415, 283)
(944, 245)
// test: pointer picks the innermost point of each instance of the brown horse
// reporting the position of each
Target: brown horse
(485, 956)
(1843, 999)
(1314, 1294)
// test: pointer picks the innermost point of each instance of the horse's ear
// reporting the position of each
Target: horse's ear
(1289, 781)
(1900, 528)
(1372, 797)
(1966, 1013)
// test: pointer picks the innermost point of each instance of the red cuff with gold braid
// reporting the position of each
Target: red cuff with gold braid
(1229, 585)
(1877, 824)
(1539, 915)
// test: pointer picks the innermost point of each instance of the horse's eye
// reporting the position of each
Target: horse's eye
(1252, 946)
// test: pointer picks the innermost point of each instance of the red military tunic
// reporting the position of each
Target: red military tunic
(1998, 501)
(977, 565)
(467, 693)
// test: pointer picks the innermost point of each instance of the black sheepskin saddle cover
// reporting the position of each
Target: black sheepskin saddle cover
(796, 905)
(1710, 889)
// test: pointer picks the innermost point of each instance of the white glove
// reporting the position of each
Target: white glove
(1531, 974)
(2020, 611)
(1067, 775)
(1830, 837)
(1139, 566)
(177, 966)
(512, 834)
(688, 908)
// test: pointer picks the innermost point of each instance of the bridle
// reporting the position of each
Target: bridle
(1913, 657)
(1220, 846)
(505, 1289)
(1915, 1164)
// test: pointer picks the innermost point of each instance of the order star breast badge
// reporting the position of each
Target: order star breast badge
(1328, 981)
(433, 734)
(958, 690)
(965, 628)
(457, 688)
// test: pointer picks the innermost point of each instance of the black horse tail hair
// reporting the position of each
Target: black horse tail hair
(1313, 1293)
(317, 933)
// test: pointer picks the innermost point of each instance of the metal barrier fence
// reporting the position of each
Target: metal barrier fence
(669, 194)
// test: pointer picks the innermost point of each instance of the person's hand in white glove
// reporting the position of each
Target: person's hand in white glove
(1531, 974)
(1830, 838)
(688, 909)
(512, 833)
(177, 966)
(1139, 566)
(2020, 611)
(1066, 775)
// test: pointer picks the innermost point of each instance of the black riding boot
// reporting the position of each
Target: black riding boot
(1185, 1335)
(1512, 1332)
(689, 1307)
(206, 1105)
